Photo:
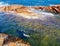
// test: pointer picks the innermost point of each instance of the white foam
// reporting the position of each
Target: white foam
(3, 4)
(26, 35)
(46, 13)
(52, 5)
(41, 12)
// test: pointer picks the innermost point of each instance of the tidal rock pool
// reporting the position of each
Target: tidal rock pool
(35, 31)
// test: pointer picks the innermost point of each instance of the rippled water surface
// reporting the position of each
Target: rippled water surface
(32, 2)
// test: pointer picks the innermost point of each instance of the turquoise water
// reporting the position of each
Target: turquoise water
(32, 2)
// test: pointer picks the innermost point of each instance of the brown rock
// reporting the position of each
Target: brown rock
(28, 12)
(55, 9)
(6, 40)
(20, 9)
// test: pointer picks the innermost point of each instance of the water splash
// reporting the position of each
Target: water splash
(3, 4)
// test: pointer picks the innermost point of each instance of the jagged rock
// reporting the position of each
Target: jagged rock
(55, 9)
(24, 9)
(7, 40)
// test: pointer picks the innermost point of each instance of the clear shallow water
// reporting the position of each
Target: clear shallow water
(12, 23)
(17, 26)
(9, 25)
(32, 2)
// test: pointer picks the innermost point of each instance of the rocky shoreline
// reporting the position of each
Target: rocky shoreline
(7, 40)
(30, 12)
(20, 8)
(54, 9)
